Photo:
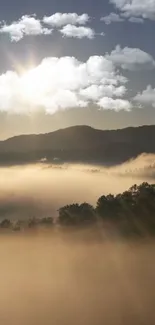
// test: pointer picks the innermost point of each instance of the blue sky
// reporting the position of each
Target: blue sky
(115, 38)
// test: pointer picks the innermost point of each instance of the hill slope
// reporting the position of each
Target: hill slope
(80, 144)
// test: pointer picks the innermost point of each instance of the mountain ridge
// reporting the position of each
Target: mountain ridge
(80, 143)
(78, 127)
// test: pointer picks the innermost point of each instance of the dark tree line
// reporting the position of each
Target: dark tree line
(76, 214)
(132, 211)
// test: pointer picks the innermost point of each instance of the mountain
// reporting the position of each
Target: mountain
(79, 144)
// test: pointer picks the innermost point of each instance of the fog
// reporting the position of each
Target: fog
(40, 190)
(80, 277)
(55, 279)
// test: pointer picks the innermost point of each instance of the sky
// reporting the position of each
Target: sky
(64, 63)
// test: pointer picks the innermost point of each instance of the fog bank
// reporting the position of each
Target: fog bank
(40, 190)
(57, 280)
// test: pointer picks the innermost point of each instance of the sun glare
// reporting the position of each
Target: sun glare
(31, 85)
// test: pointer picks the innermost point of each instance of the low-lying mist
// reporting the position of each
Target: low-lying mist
(40, 190)
(62, 277)
(56, 280)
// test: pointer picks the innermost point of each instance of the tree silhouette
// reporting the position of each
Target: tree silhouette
(130, 212)
(5, 224)
(76, 214)
(46, 221)
(108, 207)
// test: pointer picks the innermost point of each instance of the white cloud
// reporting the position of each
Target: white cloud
(61, 19)
(114, 104)
(136, 20)
(27, 25)
(101, 34)
(77, 32)
(112, 18)
(136, 8)
(131, 58)
(61, 83)
(147, 97)
(95, 92)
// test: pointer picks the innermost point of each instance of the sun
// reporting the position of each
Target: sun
(31, 84)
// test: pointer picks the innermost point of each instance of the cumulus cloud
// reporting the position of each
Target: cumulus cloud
(94, 92)
(115, 104)
(136, 8)
(112, 18)
(61, 19)
(26, 25)
(62, 83)
(136, 20)
(30, 25)
(131, 58)
(77, 32)
(147, 97)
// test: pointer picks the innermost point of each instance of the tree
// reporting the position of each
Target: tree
(5, 224)
(76, 214)
(108, 207)
(68, 214)
(32, 223)
(47, 221)
(145, 206)
(87, 213)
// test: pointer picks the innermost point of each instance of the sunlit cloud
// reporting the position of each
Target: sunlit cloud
(146, 97)
(66, 23)
(94, 92)
(58, 84)
(61, 19)
(115, 104)
(77, 32)
(26, 25)
(62, 83)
